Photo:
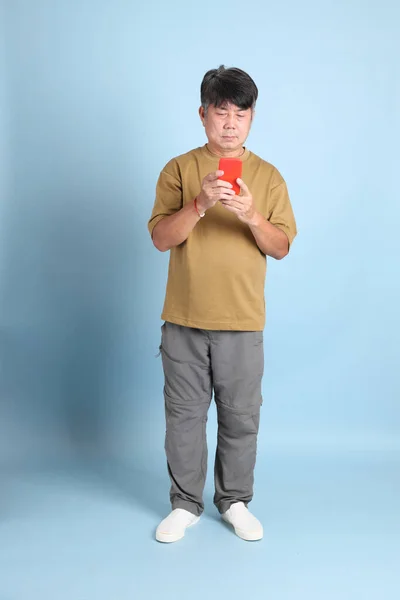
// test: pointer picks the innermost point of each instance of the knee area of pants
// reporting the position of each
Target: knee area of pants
(243, 421)
(186, 411)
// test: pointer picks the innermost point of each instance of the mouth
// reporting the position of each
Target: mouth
(228, 137)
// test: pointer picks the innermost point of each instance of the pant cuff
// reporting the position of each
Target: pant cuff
(191, 507)
(224, 505)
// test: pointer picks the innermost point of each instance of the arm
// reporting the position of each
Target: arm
(271, 240)
(175, 229)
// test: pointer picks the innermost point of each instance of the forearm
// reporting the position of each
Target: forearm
(175, 229)
(271, 240)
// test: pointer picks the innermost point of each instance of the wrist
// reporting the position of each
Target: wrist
(198, 207)
(256, 220)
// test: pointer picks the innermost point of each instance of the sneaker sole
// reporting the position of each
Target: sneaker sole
(248, 536)
(169, 538)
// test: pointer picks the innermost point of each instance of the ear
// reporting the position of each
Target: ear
(202, 115)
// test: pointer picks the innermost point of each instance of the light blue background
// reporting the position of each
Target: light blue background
(95, 98)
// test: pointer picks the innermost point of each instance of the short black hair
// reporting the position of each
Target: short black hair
(228, 85)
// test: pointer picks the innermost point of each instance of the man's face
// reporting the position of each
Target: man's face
(227, 127)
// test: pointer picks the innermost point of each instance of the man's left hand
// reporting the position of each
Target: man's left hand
(243, 205)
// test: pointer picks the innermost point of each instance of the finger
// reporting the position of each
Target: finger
(225, 190)
(226, 196)
(232, 204)
(231, 208)
(242, 185)
(221, 183)
(237, 200)
(213, 176)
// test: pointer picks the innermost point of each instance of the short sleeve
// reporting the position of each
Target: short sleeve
(280, 212)
(168, 195)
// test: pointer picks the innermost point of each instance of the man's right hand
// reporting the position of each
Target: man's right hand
(212, 190)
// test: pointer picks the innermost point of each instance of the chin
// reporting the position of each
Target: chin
(230, 143)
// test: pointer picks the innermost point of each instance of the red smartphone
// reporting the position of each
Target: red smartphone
(232, 168)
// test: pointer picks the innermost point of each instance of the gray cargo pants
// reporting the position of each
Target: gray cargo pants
(197, 362)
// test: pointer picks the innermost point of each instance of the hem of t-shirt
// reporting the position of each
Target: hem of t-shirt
(213, 325)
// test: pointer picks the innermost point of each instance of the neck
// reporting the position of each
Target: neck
(226, 152)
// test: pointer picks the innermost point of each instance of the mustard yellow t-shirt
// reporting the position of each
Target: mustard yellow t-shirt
(216, 277)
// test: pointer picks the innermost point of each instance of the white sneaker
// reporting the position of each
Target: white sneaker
(173, 527)
(245, 524)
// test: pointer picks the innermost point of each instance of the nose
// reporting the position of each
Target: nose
(230, 122)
